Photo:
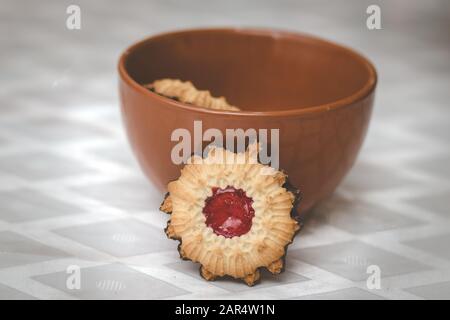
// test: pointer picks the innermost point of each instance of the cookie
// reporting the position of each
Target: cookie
(231, 214)
(187, 93)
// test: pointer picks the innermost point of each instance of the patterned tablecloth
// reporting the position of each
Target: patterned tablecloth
(71, 194)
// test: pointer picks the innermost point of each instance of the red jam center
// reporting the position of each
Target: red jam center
(229, 212)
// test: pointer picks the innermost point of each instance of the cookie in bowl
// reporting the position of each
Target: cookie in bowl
(231, 214)
(185, 91)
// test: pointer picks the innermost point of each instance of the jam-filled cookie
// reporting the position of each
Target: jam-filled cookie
(187, 93)
(231, 214)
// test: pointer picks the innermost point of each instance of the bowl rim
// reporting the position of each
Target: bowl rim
(360, 94)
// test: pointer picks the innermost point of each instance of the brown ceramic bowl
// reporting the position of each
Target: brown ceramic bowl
(317, 93)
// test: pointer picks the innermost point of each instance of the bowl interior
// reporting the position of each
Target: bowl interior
(257, 71)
